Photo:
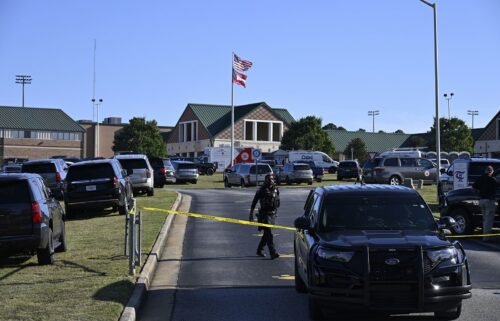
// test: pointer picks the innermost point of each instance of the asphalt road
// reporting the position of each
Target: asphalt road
(220, 277)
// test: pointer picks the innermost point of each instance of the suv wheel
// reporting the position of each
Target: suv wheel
(315, 309)
(339, 178)
(450, 314)
(332, 170)
(463, 223)
(151, 192)
(210, 172)
(46, 255)
(62, 239)
(226, 183)
(300, 285)
(395, 180)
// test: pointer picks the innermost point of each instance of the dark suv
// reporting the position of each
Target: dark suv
(378, 247)
(163, 171)
(31, 220)
(348, 169)
(53, 171)
(97, 184)
(463, 205)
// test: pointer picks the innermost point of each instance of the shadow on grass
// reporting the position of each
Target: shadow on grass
(115, 292)
(7, 260)
(90, 214)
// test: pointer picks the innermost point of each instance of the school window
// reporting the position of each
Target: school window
(249, 130)
(188, 131)
(263, 131)
(277, 132)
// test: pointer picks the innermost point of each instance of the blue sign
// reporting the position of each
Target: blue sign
(256, 153)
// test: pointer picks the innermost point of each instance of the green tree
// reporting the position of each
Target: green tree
(140, 136)
(399, 131)
(359, 151)
(381, 132)
(332, 126)
(306, 133)
(362, 130)
(455, 135)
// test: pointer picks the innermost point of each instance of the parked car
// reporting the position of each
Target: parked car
(463, 205)
(185, 172)
(53, 171)
(11, 168)
(97, 184)
(163, 171)
(277, 169)
(31, 220)
(348, 169)
(139, 171)
(378, 247)
(204, 166)
(394, 169)
(296, 173)
(463, 173)
(246, 174)
(318, 172)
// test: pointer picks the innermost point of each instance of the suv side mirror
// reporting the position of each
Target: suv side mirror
(302, 223)
(446, 222)
(450, 173)
(442, 170)
(124, 173)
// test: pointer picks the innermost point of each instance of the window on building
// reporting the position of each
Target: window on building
(249, 130)
(188, 132)
(277, 132)
(263, 131)
(27, 134)
(181, 133)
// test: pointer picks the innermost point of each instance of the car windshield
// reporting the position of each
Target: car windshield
(94, 171)
(375, 212)
(40, 168)
(14, 192)
(261, 169)
(182, 166)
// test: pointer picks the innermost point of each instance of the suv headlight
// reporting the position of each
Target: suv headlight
(443, 255)
(334, 255)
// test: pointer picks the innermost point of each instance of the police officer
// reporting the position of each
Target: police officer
(268, 196)
(486, 185)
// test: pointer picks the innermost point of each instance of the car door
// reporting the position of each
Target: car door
(427, 170)
(232, 177)
(305, 238)
(410, 168)
(45, 196)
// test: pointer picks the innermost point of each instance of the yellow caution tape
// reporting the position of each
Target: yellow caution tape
(235, 221)
(218, 218)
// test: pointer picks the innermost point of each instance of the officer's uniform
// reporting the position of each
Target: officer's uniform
(268, 196)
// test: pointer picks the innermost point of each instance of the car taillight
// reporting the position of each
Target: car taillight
(163, 170)
(116, 183)
(378, 169)
(36, 213)
(148, 173)
(58, 177)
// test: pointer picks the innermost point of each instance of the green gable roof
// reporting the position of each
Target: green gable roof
(216, 118)
(31, 118)
(375, 142)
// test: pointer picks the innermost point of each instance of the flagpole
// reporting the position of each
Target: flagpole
(232, 108)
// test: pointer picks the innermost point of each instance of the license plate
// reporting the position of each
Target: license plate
(90, 188)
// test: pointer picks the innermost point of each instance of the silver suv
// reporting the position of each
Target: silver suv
(139, 172)
(246, 174)
(296, 173)
(185, 172)
(393, 170)
(53, 172)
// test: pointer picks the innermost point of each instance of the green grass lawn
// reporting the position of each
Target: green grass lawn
(88, 282)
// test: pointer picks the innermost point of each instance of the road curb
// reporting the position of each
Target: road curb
(142, 284)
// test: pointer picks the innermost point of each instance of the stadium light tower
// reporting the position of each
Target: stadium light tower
(473, 113)
(23, 80)
(97, 103)
(373, 113)
(448, 97)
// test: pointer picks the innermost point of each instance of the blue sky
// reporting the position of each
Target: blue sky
(332, 59)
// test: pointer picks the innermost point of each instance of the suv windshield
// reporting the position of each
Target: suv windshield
(301, 167)
(375, 212)
(261, 169)
(348, 164)
(94, 171)
(133, 163)
(14, 192)
(39, 168)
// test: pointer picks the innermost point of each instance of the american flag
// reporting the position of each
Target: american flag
(240, 64)
(239, 78)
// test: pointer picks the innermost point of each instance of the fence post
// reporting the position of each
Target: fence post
(139, 240)
(132, 241)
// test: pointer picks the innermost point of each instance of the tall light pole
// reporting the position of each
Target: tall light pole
(97, 104)
(373, 113)
(448, 97)
(23, 80)
(436, 88)
(472, 113)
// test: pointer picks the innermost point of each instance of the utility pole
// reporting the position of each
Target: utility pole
(373, 113)
(23, 80)
(97, 104)
(472, 113)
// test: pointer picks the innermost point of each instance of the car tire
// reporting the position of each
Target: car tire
(451, 314)
(395, 180)
(315, 309)
(210, 172)
(332, 170)
(226, 183)
(195, 182)
(300, 285)
(463, 223)
(319, 180)
(62, 240)
(151, 192)
(161, 185)
(46, 255)
(310, 182)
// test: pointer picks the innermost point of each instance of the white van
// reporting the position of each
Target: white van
(320, 159)
(219, 155)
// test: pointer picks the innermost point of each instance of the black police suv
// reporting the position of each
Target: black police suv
(377, 247)
(31, 220)
(463, 205)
